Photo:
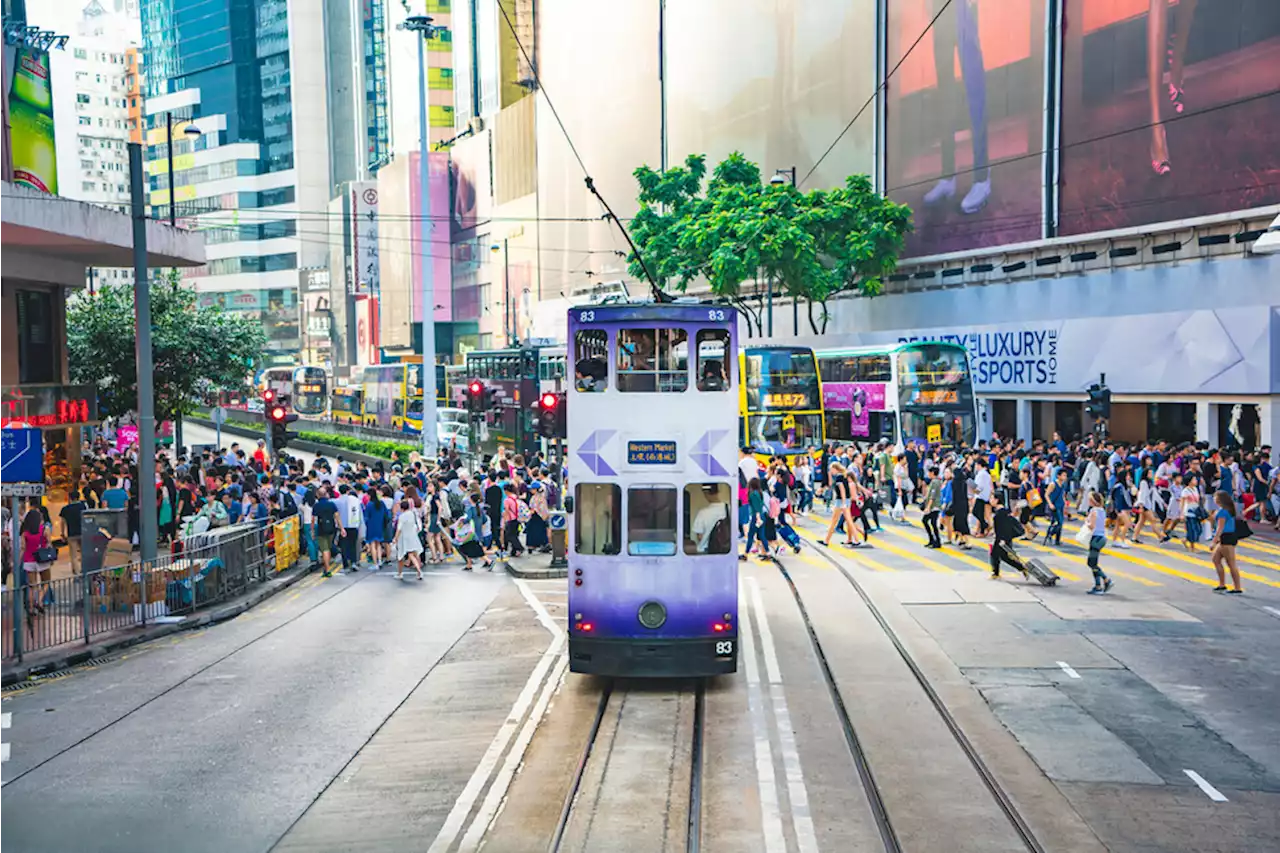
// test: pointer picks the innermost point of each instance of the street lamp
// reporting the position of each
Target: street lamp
(508, 310)
(1269, 242)
(779, 179)
(422, 25)
(192, 133)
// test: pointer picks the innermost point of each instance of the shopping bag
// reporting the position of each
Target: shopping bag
(1206, 532)
(1083, 535)
(463, 532)
(898, 512)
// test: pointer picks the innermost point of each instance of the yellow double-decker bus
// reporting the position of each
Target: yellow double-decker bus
(392, 396)
(780, 401)
(346, 406)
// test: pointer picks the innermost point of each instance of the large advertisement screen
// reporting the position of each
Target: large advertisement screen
(965, 121)
(35, 159)
(1171, 109)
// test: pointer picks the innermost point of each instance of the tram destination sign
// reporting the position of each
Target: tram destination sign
(651, 453)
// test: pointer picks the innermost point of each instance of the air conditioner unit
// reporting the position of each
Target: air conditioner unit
(475, 124)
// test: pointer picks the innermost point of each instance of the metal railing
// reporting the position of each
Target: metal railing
(210, 567)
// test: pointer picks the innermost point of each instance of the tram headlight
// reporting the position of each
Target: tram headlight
(652, 615)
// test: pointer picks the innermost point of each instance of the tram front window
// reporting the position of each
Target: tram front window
(651, 521)
(791, 431)
(597, 513)
(653, 360)
(591, 360)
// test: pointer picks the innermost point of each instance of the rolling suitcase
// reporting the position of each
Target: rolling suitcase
(789, 535)
(1040, 571)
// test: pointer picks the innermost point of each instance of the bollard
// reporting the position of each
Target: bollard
(559, 539)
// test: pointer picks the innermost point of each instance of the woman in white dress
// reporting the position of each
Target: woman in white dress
(408, 546)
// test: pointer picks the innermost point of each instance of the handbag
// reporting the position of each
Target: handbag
(1084, 535)
(1243, 530)
(463, 532)
(46, 555)
(1033, 498)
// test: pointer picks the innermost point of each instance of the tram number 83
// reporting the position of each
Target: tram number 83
(724, 648)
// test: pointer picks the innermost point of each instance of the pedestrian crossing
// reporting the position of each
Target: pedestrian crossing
(900, 548)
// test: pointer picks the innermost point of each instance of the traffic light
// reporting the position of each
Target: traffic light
(269, 396)
(279, 417)
(551, 415)
(1099, 405)
(475, 396)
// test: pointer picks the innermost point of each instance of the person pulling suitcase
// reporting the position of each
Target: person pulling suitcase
(1007, 528)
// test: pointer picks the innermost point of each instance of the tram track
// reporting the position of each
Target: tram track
(612, 698)
(876, 801)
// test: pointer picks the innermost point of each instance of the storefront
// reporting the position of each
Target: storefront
(1209, 371)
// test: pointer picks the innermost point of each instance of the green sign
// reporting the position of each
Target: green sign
(35, 158)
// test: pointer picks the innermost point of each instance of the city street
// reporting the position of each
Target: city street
(363, 713)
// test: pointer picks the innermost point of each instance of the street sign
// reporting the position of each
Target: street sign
(559, 521)
(23, 454)
(218, 415)
(21, 490)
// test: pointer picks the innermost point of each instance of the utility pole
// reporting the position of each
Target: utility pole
(780, 177)
(420, 26)
(147, 522)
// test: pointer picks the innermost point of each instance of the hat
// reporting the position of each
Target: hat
(535, 486)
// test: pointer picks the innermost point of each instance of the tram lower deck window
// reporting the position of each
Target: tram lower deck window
(707, 519)
(597, 514)
(651, 521)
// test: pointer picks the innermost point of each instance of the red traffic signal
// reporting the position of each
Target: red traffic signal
(475, 395)
(268, 396)
(279, 413)
(549, 401)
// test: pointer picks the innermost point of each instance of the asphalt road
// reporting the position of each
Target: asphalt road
(198, 434)
(218, 740)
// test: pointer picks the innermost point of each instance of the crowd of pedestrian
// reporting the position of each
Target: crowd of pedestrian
(1002, 490)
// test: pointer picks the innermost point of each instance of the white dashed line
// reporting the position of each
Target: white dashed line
(1274, 611)
(6, 720)
(1068, 670)
(993, 608)
(1209, 791)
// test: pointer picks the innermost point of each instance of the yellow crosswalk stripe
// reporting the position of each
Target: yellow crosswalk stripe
(1186, 558)
(917, 558)
(1044, 549)
(960, 555)
(841, 550)
(1114, 553)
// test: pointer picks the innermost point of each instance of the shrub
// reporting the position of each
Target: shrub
(372, 447)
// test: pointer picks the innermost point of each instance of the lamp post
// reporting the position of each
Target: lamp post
(421, 24)
(508, 310)
(192, 132)
(780, 177)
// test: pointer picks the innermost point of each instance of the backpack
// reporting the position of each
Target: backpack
(444, 508)
(775, 507)
(454, 501)
(719, 542)
(523, 513)
(325, 525)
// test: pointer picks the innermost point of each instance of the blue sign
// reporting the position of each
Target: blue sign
(22, 456)
(651, 453)
(559, 521)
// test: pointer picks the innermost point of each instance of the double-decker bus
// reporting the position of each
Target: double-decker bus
(277, 379)
(779, 401)
(346, 405)
(310, 390)
(653, 590)
(392, 396)
(919, 391)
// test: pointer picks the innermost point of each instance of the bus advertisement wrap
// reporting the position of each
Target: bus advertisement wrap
(31, 131)
(860, 398)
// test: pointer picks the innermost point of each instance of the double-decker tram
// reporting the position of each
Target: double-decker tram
(916, 391)
(512, 375)
(310, 390)
(780, 401)
(653, 564)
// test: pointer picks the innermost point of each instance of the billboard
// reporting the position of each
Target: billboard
(964, 121)
(31, 137)
(1171, 109)
(430, 242)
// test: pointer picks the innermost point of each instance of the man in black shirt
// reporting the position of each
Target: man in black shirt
(72, 516)
(493, 497)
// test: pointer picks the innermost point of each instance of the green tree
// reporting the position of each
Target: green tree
(812, 245)
(194, 349)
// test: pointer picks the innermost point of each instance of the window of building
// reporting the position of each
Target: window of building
(653, 360)
(37, 361)
(591, 360)
(651, 521)
(597, 514)
(82, 98)
(707, 519)
(81, 54)
(713, 360)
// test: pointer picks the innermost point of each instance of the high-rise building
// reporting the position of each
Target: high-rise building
(91, 111)
(250, 76)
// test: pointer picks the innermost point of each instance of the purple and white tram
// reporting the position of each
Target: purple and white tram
(651, 455)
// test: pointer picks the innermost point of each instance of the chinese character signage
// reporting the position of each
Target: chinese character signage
(49, 406)
(651, 453)
(364, 237)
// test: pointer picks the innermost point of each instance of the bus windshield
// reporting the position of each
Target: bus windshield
(779, 379)
(932, 366)
(310, 390)
(785, 432)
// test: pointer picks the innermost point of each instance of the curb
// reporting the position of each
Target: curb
(533, 574)
(195, 620)
(328, 451)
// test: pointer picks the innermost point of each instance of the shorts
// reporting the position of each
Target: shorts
(1229, 538)
(324, 542)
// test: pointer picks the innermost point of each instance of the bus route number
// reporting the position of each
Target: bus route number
(715, 316)
(724, 648)
(587, 317)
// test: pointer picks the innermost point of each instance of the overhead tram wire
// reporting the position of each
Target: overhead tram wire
(659, 294)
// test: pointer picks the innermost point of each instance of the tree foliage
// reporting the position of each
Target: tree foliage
(194, 349)
(739, 230)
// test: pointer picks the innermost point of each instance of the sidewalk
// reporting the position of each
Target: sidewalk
(66, 655)
(530, 566)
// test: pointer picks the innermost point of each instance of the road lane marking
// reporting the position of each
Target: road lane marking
(1067, 669)
(797, 792)
(1274, 611)
(916, 558)
(4, 752)
(1209, 791)
(766, 779)
(1186, 558)
(552, 657)
(6, 719)
(842, 551)
(993, 608)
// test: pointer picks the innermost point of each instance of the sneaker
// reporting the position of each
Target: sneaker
(943, 189)
(1106, 585)
(1097, 590)
(995, 576)
(1235, 592)
(976, 198)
